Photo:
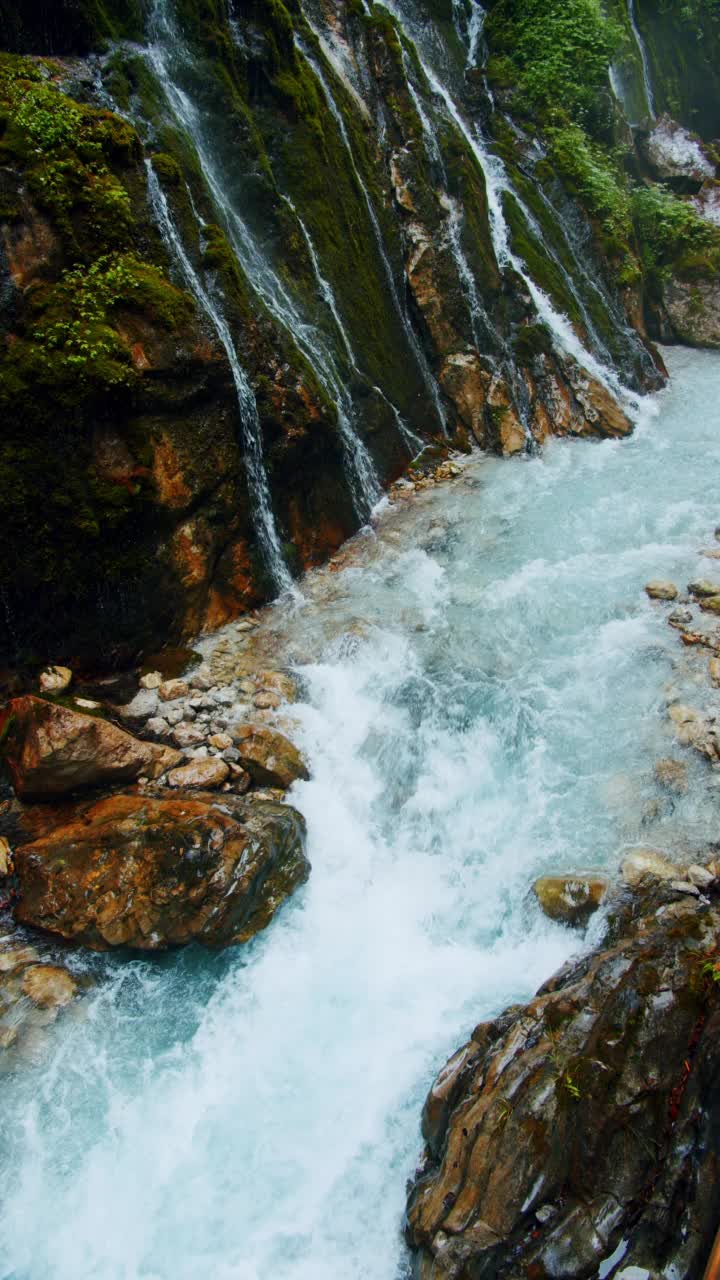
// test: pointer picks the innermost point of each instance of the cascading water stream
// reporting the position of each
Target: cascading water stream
(497, 183)
(166, 50)
(252, 432)
(644, 60)
(420, 357)
(483, 701)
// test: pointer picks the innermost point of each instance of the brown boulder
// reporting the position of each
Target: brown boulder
(587, 1117)
(156, 873)
(52, 750)
(269, 757)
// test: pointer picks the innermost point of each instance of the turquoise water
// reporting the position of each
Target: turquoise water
(484, 691)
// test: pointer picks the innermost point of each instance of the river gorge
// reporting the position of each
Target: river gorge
(353, 400)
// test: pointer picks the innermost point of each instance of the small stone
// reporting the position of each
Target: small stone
(6, 862)
(170, 690)
(225, 696)
(247, 687)
(17, 957)
(49, 986)
(55, 679)
(269, 793)
(87, 704)
(176, 714)
(244, 625)
(684, 886)
(231, 754)
(714, 670)
(157, 726)
(187, 735)
(703, 587)
(152, 680)
(700, 876)
(672, 774)
(142, 706)
(221, 741)
(711, 553)
(680, 617)
(200, 679)
(278, 682)
(199, 753)
(545, 1212)
(266, 700)
(642, 862)
(661, 590)
(202, 774)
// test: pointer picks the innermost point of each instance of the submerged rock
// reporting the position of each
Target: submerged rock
(571, 899)
(152, 873)
(567, 1125)
(52, 750)
(55, 680)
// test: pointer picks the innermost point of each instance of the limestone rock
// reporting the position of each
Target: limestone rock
(201, 774)
(266, 700)
(270, 758)
(543, 1131)
(52, 750)
(55, 679)
(187, 735)
(570, 899)
(643, 862)
(152, 680)
(156, 873)
(661, 590)
(693, 308)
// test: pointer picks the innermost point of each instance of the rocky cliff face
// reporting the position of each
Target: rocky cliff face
(255, 255)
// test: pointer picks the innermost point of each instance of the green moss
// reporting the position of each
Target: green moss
(674, 238)
(531, 341)
(67, 152)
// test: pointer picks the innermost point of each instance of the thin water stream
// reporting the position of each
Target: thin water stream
(484, 689)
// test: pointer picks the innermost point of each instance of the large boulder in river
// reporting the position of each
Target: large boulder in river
(53, 750)
(153, 873)
(587, 1118)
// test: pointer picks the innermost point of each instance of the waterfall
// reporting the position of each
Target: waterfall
(420, 357)
(252, 434)
(497, 184)
(167, 47)
(644, 60)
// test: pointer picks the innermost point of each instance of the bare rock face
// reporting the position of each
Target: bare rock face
(693, 308)
(52, 750)
(587, 1117)
(269, 757)
(150, 873)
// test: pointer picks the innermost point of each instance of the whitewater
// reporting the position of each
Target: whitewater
(483, 690)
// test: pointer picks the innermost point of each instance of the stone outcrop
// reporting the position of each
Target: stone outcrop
(149, 873)
(585, 1118)
(693, 308)
(52, 750)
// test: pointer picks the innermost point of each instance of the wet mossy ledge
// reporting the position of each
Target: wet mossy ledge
(350, 260)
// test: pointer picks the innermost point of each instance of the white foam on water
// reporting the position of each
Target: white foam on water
(255, 1115)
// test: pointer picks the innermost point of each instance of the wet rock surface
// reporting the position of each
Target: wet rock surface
(152, 873)
(53, 750)
(587, 1117)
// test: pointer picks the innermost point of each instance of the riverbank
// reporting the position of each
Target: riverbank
(481, 700)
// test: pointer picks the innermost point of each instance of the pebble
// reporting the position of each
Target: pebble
(200, 679)
(187, 735)
(176, 714)
(6, 862)
(171, 690)
(156, 725)
(680, 617)
(152, 680)
(55, 679)
(220, 740)
(700, 876)
(703, 587)
(266, 700)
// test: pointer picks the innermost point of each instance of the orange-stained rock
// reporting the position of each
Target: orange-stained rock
(52, 750)
(156, 873)
(269, 757)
